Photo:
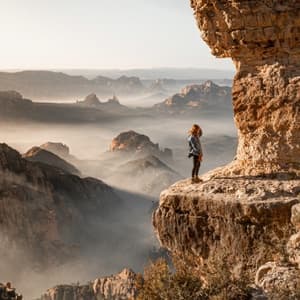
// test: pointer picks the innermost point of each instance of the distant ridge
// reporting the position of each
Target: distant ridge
(41, 84)
(150, 74)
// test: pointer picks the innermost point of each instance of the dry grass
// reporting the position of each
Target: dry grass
(159, 282)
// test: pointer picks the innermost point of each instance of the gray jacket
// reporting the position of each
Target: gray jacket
(195, 146)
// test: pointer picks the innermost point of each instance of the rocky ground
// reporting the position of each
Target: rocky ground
(247, 221)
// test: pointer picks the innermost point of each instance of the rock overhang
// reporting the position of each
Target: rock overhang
(246, 211)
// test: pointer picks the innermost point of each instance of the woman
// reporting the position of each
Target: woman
(195, 151)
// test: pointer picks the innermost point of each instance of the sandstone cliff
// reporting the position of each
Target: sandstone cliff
(197, 98)
(131, 142)
(116, 287)
(246, 222)
(262, 38)
(246, 214)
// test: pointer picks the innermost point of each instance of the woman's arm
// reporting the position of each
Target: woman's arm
(201, 152)
(195, 145)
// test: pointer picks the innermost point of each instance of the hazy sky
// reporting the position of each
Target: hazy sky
(102, 34)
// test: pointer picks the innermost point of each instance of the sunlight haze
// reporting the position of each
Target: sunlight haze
(39, 34)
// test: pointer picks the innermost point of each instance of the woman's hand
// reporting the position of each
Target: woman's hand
(200, 157)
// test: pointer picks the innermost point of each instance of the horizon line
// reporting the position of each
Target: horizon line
(115, 69)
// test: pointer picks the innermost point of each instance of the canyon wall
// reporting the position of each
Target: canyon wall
(263, 40)
(243, 214)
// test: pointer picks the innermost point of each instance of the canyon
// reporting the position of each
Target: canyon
(243, 216)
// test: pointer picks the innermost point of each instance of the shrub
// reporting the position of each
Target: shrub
(159, 282)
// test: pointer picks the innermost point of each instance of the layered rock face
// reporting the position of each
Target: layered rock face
(246, 214)
(116, 287)
(263, 40)
(195, 98)
(132, 142)
(245, 222)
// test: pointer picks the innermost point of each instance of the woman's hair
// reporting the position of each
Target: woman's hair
(195, 129)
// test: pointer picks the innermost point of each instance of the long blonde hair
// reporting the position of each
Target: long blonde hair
(195, 129)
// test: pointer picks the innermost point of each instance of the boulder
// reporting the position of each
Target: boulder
(278, 280)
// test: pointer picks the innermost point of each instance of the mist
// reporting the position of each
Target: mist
(89, 141)
(124, 237)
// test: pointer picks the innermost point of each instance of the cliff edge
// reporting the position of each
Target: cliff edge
(245, 213)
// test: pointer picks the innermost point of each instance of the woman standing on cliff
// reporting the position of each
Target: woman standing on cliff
(195, 151)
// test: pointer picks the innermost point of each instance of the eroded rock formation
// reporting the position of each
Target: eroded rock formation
(246, 214)
(131, 142)
(245, 222)
(116, 287)
(91, 100)
(196, 98)
(263, 40)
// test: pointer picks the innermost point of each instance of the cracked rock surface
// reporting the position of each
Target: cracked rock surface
(247, 213)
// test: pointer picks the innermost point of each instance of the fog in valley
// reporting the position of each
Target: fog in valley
(115, 143)
(90, 142)
(95, 111)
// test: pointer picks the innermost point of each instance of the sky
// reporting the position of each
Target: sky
(102, 34)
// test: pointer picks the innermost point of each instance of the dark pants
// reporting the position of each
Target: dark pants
(196, 166)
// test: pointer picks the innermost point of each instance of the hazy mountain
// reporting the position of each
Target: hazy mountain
(155, 73)
(59, 149)
(148, 175)
(158, 86)
(53, 210)
(191, 99)
(135, 167)
(38, 154)
(112, 105)
(53, 222)
(13, 107)
(40, 85)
